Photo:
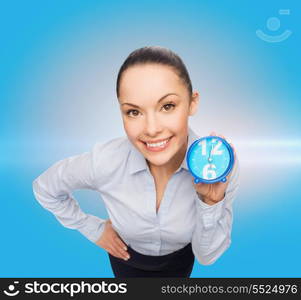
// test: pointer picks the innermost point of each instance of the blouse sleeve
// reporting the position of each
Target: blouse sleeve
(53, 190)
(212, 234)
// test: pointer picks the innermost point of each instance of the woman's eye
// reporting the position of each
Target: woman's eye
(131, 111)
(168, 106)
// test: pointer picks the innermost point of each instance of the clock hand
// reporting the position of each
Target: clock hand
(210, 159)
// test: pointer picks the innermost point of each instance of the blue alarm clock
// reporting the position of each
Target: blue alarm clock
(210, 159)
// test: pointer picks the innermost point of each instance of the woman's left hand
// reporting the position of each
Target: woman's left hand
(212, 193)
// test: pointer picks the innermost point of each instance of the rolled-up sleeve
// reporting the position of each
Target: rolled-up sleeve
(53, 190)
(212, 234)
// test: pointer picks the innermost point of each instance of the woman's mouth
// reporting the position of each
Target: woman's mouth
(157, 147)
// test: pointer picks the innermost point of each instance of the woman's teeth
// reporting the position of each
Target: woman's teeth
(161, 144)
(157, 144)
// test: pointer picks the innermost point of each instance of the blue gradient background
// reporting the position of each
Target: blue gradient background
(59, 61)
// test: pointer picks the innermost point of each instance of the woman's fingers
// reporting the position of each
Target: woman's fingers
(233, 149)
(112, 243)
(216, 134)
(120, 243)
(113, 252)
(119, 246)
(223, 137)
(119, 252)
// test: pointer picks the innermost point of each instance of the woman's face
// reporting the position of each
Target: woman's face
(155, 107)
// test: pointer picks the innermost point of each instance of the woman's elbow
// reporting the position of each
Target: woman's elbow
(211, 257)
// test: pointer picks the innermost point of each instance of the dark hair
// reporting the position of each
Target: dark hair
(157, 55)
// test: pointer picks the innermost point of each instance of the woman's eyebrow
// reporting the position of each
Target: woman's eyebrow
(162, 98)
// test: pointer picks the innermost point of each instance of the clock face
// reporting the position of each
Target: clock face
(210, 159)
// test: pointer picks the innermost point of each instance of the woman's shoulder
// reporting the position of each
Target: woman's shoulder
(110, 156)
(117, 144)
(111, 150)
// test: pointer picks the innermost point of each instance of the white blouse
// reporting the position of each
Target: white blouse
(119, 172)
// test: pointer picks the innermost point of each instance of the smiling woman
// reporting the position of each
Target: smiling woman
(159, 219)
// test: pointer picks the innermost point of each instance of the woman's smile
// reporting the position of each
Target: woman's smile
(158, 146)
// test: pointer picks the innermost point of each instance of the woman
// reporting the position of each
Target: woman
(159, 218)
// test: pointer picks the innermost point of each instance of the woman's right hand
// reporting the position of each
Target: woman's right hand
(112, 243)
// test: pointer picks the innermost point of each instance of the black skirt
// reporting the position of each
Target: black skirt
(175, 264)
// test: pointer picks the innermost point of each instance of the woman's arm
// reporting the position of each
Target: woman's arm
(212, 235)
(53, 190)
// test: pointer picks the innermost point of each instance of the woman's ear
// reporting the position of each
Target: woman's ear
(194, 102)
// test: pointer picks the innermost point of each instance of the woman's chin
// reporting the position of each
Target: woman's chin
(160, 162)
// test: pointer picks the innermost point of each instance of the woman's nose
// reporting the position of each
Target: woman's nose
(152, 126)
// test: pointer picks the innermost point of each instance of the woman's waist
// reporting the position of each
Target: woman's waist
(155, 248)
(172, 260)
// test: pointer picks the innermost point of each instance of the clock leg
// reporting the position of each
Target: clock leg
(196, 180)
